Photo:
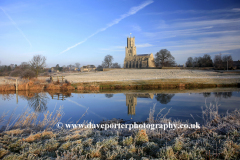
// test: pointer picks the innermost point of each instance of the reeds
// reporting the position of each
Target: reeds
(31, 120)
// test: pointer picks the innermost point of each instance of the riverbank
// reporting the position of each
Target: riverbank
(218, 138)
(141, 79)
(35, 85)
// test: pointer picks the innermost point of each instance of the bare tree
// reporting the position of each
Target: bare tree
(107, 63)
(207, 61)
(70, 66)
(218, 61)
(195, 62)
(164, 58)
(37, 63)
(116, 65)
(189, 62)
(99, 68)
(77, 65)
(227, 61)
(24, 65)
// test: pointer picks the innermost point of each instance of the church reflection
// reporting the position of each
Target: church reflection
(131, 100)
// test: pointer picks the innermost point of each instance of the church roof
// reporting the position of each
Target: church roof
(143, 54)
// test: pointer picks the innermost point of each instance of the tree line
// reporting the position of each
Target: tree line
(163, 58)
(25, 69)
(219, 62)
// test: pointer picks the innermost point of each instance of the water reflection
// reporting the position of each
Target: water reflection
(131, 100)
(60, 95)
(164, 98)
(109, 95)
(223, 94)
(38, 102)
(206, 94)
(112, 105)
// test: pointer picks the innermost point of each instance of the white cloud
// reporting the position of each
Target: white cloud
(122, 48)
(143, 45)
(136, 28)
(223, 53)
(132, 11)
(207, 23)
(218, 11)
(204, 45)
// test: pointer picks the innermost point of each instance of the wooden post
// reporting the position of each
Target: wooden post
(16, 91)
(16, 85)
(17, 97)
(62, 78)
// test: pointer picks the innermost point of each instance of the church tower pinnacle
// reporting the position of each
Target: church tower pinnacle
(130, 50)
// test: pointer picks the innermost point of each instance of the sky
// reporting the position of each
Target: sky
(85, 31)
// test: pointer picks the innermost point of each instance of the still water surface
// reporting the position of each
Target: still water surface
(133, 106)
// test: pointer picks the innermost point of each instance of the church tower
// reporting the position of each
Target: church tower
(131, 102)
(130, 50)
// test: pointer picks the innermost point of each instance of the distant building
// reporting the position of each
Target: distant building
(132, 60)
(88, 68)
(91, 67)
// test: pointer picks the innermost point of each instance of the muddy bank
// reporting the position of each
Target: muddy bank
(158, 84)
(36, 86)
(124, 85)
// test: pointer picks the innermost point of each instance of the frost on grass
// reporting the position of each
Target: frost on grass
(218, 138)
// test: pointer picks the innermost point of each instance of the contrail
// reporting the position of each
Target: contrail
(16, 26)
(132, 11)
(86, 108)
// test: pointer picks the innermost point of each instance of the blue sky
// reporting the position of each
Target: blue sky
(85, 31)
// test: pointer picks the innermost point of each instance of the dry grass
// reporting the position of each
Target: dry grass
(32, 120)
(39, 136)
(15, 132)
(33, 137)
(73, 137)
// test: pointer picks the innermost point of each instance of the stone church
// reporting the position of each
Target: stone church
(132, 60)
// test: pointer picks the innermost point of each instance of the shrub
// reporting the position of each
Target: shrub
(128, 141)
(3, 152)
(178, 144)
(28, 74)
(66, 146)
(16, 73)
(141, 137)
(51, 145)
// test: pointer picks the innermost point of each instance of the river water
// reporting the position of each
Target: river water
(185, 105)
